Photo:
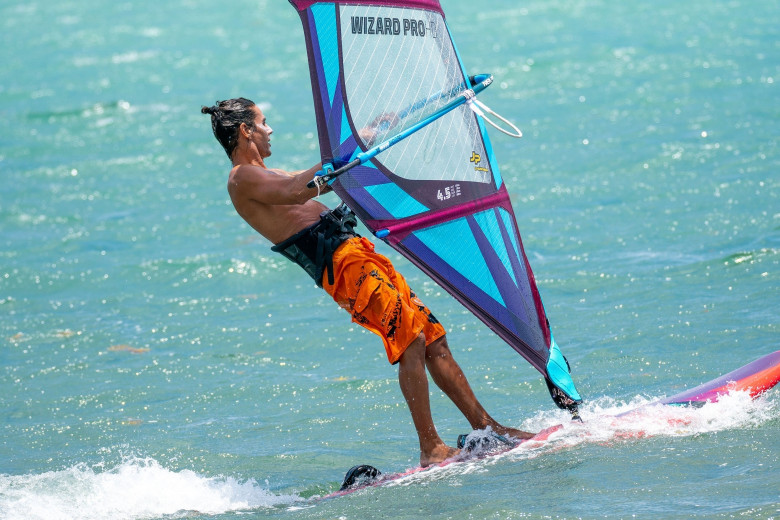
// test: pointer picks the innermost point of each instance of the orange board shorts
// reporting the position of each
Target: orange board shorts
(367, 286)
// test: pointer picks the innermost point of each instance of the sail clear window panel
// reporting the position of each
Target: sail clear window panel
(399, 65)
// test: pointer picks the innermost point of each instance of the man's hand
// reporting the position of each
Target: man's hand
(377, 127)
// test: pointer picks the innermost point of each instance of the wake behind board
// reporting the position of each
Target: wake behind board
(754, 378)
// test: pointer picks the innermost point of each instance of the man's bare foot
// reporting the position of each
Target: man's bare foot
(438, 454)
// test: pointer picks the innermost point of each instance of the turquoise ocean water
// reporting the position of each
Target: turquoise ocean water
(158, 361)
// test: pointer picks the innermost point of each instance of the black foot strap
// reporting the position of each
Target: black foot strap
(360, 476)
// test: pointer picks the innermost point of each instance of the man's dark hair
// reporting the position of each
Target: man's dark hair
(226, 119)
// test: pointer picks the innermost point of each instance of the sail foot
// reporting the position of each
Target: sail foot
(559, 382)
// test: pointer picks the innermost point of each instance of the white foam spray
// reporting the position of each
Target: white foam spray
(608, 420)
(136, 489)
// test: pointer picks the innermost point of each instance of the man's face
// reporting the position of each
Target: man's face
(261, 135)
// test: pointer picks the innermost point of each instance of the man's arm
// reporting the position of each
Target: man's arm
(273, 187)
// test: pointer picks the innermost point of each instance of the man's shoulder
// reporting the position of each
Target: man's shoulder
(248, 171)
(244, 174)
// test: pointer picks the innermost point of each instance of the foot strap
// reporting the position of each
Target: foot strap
(361, 475)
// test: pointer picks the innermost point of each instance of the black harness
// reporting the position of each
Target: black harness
(312, 248)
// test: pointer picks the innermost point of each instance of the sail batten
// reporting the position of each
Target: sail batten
(397, 227)
(379, 69)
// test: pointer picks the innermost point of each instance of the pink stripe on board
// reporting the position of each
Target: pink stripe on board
(432, 5)
(399, 229)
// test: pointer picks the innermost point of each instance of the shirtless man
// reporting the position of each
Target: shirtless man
(279, 206)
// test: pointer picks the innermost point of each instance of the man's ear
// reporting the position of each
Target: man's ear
(245, 130)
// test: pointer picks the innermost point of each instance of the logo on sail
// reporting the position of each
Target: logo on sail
(391, 26)
(476, 159)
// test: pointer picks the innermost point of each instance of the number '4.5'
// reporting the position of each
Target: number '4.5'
(448, 192)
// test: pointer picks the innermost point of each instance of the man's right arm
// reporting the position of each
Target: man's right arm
(273, 187)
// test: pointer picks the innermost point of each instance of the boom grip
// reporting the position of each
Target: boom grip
(325, 178)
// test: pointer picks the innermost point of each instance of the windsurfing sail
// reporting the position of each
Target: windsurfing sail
(377, 69)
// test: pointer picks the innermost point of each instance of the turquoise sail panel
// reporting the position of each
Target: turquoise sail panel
(454, 243)
(395, 200)
(325, 20)
(490, 226)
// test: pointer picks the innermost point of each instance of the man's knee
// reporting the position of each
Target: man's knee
(438, 349)
(415, 350)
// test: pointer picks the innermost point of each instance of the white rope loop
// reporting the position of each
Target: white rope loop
(480, 108)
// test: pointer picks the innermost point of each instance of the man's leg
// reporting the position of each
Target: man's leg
(414, 385)
(448, 376)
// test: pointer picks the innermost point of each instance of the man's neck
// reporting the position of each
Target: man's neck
(246, 153)
(241, 159)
